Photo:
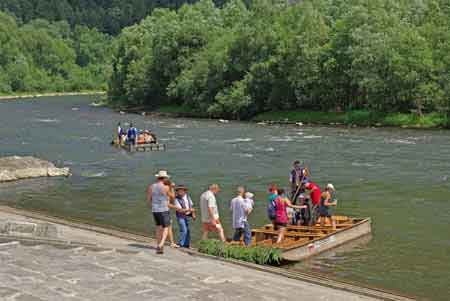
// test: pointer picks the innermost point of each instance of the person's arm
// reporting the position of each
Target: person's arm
(175, 204)
(288, 202)
(328, 202)
(169, 192)
(248, 209)
(149, 196)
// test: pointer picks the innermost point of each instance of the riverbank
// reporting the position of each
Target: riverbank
(357, 118)
(37, 94)
(73, 259)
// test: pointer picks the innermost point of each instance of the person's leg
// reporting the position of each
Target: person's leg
(247, 234)
(314, 215)
(205, 231)
(170, 236)
(188, 235)
(183, 231)
(237, 234)
(333, 222)
(281, 234)
(158, 234)
(221, 232)
(165, 232)
(322, 221)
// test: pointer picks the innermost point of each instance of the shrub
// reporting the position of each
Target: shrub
(257, 254)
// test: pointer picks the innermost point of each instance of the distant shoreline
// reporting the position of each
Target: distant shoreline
(355, 118)
(37, 95)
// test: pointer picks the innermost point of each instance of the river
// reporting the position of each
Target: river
(400, 178)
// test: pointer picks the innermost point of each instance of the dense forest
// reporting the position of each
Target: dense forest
(108, 16)
(44, 56)
(236, 61)
(234, 58)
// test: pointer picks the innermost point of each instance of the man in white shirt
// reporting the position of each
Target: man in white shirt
(241, 209)
(210, 212)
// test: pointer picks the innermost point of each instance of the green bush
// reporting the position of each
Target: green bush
(257, 254)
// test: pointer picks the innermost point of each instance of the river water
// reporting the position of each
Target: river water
(400, 178)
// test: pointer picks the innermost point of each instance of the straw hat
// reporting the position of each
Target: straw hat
(162, 174)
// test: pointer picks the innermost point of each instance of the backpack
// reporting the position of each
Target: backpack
(272, 210)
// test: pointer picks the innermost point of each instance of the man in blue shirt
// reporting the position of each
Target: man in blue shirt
(132, 134)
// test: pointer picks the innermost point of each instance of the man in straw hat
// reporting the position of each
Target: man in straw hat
(158, 197)
(184, 210)
(210, 212)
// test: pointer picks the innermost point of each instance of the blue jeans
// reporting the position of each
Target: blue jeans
(185, 233)
(247, 234)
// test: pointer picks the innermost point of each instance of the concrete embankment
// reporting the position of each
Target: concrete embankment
(46, 258)
(16, 168)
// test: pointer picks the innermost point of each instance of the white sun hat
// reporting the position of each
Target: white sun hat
(162, 174)
(330, 186)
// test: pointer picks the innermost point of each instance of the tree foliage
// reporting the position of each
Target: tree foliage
(106, 16)
(238, 59)
(45, 56)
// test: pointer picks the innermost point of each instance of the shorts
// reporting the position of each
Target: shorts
(324, 212)
(162, 218)
(210, 227)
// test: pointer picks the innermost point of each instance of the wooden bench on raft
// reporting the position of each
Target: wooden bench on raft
(261, 235)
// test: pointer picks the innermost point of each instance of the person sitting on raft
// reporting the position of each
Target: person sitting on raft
(302, 215)
(324, 208)
(149, 137)
(281, 219)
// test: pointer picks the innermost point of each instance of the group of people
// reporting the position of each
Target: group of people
(133, 136)
(315, 206)
(300, 209)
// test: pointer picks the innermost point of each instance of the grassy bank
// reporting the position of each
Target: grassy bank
(49, 94)
(358, 118)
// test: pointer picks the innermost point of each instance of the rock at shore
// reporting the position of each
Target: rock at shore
(16, 168)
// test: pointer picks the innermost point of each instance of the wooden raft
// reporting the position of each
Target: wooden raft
(145, 147)
(297, 236)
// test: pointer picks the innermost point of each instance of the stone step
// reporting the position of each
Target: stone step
(9, 245)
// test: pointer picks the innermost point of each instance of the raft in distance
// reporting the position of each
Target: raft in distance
(301, 242)
(141, 147)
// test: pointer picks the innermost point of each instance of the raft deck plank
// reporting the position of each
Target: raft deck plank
(304, 241)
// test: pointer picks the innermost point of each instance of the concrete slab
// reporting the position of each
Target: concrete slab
(48, 272)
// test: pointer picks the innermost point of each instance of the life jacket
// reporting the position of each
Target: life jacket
(298, 174)
(131, 133)
(184, 206)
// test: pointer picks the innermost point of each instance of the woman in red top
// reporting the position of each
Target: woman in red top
(281, 220)
(315, 199)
